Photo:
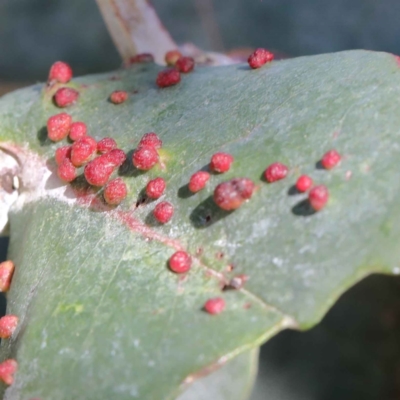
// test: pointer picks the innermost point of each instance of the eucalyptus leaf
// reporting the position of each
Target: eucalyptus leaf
(101, 316)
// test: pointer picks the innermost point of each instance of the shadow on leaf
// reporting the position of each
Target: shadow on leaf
(128, 169)
(184, 192)
(207, 213)
(303, 209)
(42, 137)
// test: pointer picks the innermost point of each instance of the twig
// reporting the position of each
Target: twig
(135, 28)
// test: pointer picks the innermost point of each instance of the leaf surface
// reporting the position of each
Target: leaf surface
(102, 316)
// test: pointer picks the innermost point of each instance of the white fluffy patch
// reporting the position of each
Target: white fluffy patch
(32, 179)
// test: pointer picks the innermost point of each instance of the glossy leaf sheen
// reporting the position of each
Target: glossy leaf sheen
(232, 381)
(102, 316)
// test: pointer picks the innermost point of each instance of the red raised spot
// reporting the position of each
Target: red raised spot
(330, 159)
(276, 172)
(318, 197)
(260, 57)
(172, 56)
(221, 162)
(105, 145)
(215, 305)
(98, 171)
(180, 262)
(65, 97)
(82, 150)
(145, 158)
(230, 195)
(60, 72)
(238, 281)
(185, 64)
(198, 181)
(115, 191)
(142, 58)
(155, 188)
(6, 273)
(118, 97)
(150, 139)
(66, 171)
(116, 157)
(7, 370)
(78, 130)
(304, 183)
(168, 77)
(163, 212)
(8, 323)
(58, 126)
(62, 153)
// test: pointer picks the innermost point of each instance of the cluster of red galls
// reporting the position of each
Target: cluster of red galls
(318, 195)
(99, 159)
(61, 73)
(231, 194)
(228, 195)
(176, 62)
(8, 324)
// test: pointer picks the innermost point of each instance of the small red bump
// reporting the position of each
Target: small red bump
(115, 191)
(60, 72)
(215, 305)
(8, 323)
(82, 150)
(330, 159)
(98, 171)
(155, 188)
(168, 77)
(105, 145)
(7, 370)
(62, 153)
(118, 97)
(171, 57)
(318, 197)
(163, 212)
(304, 183)
(150, 139)
(230, 195)
(198, 181)
(276, 172)
(116, 157)
(66, 171)
(238, 281)
(58, 126)
(185, 64)
(259, 58)
(180, 262)
(221, 162)
(145, 158)
(6, 273)
(244, 186)
(78, 130)
(142, 58)
(65, 97)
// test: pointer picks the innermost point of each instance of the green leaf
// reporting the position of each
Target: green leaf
(102, 316)
(233, 381)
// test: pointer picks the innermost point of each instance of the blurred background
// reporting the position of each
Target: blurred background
(354, 353)
(34, 33)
